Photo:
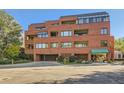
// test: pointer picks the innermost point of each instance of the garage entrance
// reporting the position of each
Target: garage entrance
(49, 57)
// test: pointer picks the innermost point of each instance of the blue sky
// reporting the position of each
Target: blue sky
(26, 17)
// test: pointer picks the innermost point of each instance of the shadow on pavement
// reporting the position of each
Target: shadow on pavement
(96, 78)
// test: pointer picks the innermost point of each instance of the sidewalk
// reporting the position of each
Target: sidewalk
(32, 64)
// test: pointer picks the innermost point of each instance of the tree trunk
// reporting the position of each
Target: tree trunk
(12, 61)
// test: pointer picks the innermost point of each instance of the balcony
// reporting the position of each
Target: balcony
(40, 28)
(81, 32)
(68, 22)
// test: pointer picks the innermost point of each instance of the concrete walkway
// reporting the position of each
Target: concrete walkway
(31, 64)
(49, 63)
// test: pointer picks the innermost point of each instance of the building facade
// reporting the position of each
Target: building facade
(84, 35)
(118, 55)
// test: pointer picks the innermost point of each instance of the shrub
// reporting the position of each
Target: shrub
(72, 59)
(60, 59)
(23, 56)
(79, 60)
(21, 61)
(5, 61)
(86, 62)
(110, 61)
(66, 60)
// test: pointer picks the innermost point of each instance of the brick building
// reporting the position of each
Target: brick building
(83, 35)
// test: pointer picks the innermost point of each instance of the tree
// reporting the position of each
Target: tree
(9, 33)
(12, 52)
(119, 44)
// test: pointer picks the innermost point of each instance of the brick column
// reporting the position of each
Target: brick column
(89, 56)
(108, 56)
(72, 32)
(59, 54)
(34, 54)
(72, 54)
(37, 57)
(34, 57)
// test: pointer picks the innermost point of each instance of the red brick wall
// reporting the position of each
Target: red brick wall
(93, 37)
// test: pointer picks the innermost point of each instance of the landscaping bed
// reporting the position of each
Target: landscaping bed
(4, 62)
(72, 60)
(80, 60)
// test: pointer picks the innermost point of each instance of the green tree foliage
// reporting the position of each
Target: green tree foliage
(119, 44)
(12, 52)
(9, 33)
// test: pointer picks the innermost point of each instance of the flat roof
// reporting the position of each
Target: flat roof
(36, 24)
(77, 15)
(88, 14)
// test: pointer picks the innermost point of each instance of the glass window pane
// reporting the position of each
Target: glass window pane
(81, 44)
(66, 45)
(36, 46)
(54, 45)
(104, 43)
(66, 33)
(42, 34)
(42, 45)
(104, 31)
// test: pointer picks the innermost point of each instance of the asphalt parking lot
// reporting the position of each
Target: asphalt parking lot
(54, 73)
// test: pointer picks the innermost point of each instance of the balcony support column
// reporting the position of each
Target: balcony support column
(89, 57)
(34, 57)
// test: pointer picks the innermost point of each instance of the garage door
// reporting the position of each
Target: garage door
(49, 57)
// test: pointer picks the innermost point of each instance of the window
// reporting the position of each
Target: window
(30, 46)
(42, 34)
(66, 33)
(54, 45)
(90, 20)
(98, 19)
(93, 19)
(104, 18)
(80, 21)
(104, 31)
(107, 18)
(42, 45)
(81, 44)
(87, 20)
(66, 45)
(119, 56)
(29, 37)
(80, 32)
(40, 28)
(55, 24)
(54, 34)
(123, 56)
(83, 20)
(104, 43)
